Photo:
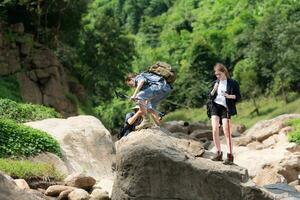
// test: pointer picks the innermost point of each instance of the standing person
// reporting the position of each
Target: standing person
(150, 88)
(223, 97)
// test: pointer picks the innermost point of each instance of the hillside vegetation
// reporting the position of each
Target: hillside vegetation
(100, 41)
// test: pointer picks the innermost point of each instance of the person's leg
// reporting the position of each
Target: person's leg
(227, 133)
(160, 95)
(154, 116)
(215, 129)
(143, 100)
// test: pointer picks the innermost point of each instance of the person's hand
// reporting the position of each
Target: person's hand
(133, 98)
(216, 86)
(228, 96)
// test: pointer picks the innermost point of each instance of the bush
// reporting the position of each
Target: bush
(18, 140)
(294, 136)
(25, 169)
(23, 112)
(113, 115)
(9, 88)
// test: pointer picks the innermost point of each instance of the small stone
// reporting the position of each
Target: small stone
(79, 194)
(22, 184)
(55, 190)
(80, 180)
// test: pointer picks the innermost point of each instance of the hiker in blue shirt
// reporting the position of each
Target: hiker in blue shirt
(150, 90)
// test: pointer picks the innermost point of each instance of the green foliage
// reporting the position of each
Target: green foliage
(23, 112)
(9, 88)
(19, 140)
(270, 107)
(112, 115)
(294, 136)
(193, 35)
(25, 169)
(188, 115)
(48, 19)
(106, 52)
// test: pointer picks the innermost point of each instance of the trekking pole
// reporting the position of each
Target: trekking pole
(124, 96)
(230, 138)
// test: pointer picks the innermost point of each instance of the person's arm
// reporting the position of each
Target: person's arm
(132, 119)
(236, 90)
(138, 88)
(212, 93)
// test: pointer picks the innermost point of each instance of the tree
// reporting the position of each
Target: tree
(246, 74)
(106, 53)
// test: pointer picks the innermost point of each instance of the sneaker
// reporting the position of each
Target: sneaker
(218, 157)
(229, 159)
(143, 125)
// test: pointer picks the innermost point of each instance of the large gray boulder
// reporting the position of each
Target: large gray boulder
(153, 165)
(10, 191)
(86, 146)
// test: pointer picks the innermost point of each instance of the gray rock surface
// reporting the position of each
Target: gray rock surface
(152, 165)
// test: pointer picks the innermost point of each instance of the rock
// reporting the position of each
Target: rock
(10, 63)
(80, 180)
(41, 190)
(55, 190)
(198, 126)
(264, 129)
(18, 28)
(200, 134)
(22, 184)
(270, 141)
(255, 145)
(293, 147)
(86, 146)
(150, 165)
(64, 194)
(79, 194)
(10, 191)
(297, 187)
(1, 40)
(267, 176)
(37, 193)
(176, 126)
(99, 194)
(289, 167)
(26, 45)
(40, 183)
(294, 183)
(242, 141)
(30, 91)
(237, 130)
(78, 90)
(51, 159)
(286, 130)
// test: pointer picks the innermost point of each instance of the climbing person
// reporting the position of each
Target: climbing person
(222, 106)
(150, 88)
(132, 121)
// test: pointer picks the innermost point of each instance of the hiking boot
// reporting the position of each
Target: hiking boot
(229, 159)
(161, 115)
(218, 157)
(143, 125)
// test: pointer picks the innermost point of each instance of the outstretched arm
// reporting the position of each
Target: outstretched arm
(138, 88)
(132, 119)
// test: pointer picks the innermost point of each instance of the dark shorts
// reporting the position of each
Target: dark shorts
(219, 110)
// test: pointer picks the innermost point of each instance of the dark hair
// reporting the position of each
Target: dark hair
(220, 67)
(130, 76)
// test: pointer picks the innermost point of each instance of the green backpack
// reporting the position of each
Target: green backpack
(165, 70)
